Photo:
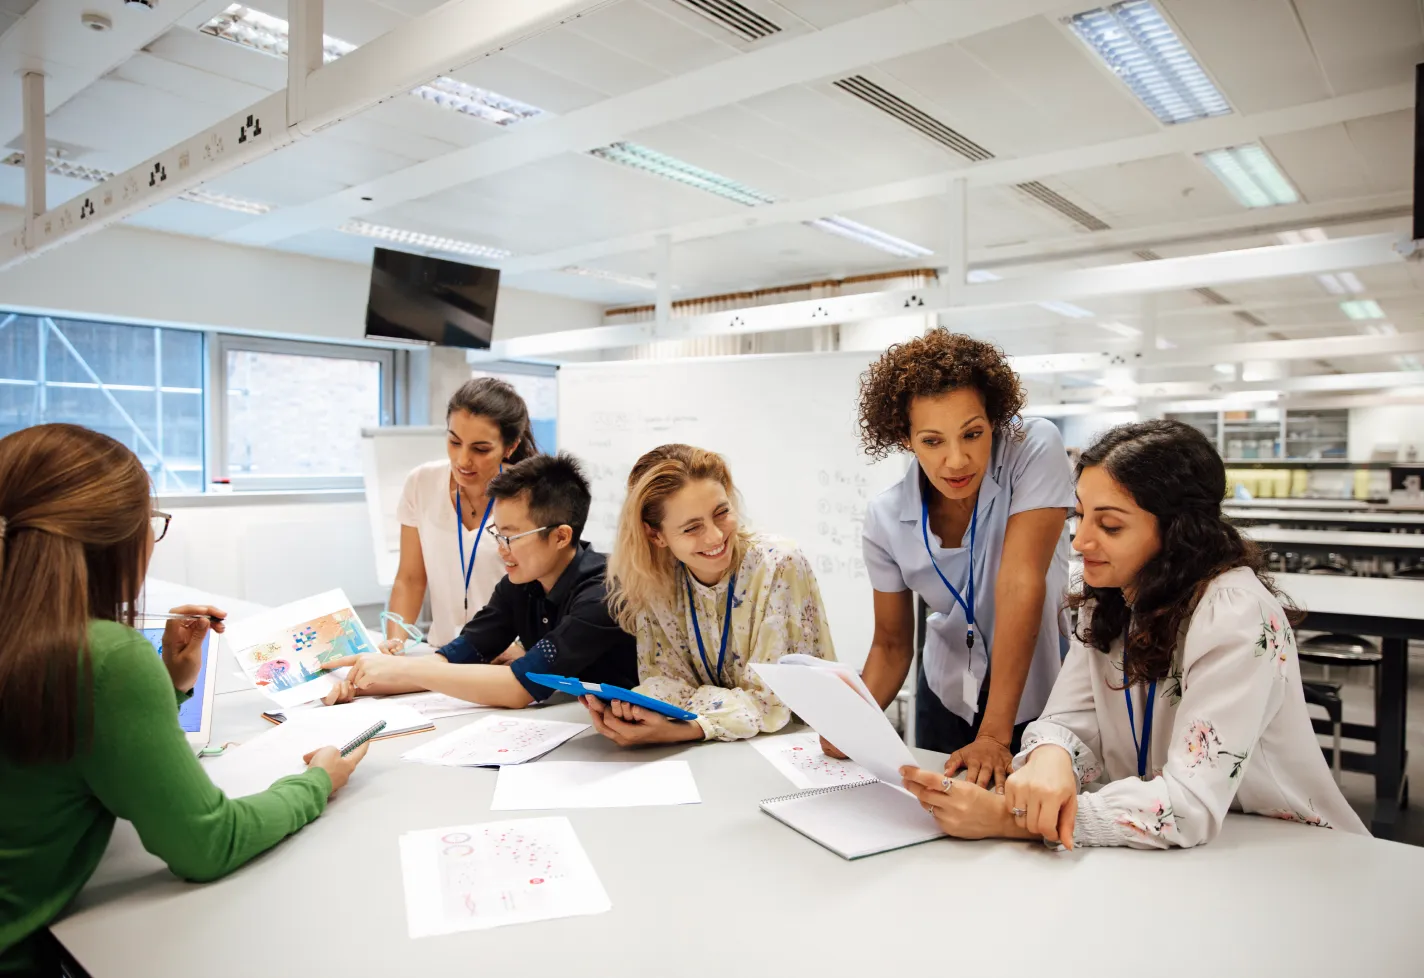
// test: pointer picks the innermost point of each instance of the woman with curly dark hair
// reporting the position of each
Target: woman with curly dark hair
(1183, 688)
(976, 529)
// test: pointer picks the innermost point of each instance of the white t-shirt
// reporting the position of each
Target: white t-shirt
(426, 504)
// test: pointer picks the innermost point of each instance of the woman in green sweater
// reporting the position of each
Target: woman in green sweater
(88, 714)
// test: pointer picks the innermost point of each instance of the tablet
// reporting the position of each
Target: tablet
(577, 687)
(196, 715)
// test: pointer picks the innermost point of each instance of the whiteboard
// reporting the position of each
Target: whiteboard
(787, 427)
(387, 457)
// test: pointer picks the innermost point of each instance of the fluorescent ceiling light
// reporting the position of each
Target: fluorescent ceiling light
(1302, 236)
(866, 235)
(419, 239)
(1138, 45)
(1379, 329)
(1351, 282)
(263, 32)
(1121, 329)
(94, 174)
(617, 277)
(1251, 175)
(1225, 369)
(660, 164)
(1165, 344)
(1408, 361)
(977, 275)
(1331, 284)
(1358, 309)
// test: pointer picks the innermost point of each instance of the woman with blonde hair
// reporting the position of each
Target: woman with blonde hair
(706, 598)
(88, 713)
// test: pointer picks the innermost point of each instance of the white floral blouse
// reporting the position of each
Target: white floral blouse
(1230, 731)
(777, 610)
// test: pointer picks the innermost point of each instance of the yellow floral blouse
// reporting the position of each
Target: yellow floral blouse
(776, 610)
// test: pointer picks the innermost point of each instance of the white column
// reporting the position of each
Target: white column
(34, 141)
(304, 53)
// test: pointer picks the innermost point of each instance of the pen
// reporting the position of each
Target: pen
(364, 736)
(170, 617)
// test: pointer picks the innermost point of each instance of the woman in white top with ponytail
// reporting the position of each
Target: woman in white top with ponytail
(444, 510)
(1202, 712)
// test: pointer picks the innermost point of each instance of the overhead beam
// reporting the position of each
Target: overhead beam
(391, 65)
(1198, 137)
(1135, 278)
(1304, 384)
(1325, 347)
(884, 35)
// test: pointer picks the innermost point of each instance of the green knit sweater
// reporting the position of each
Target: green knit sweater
(56, 819)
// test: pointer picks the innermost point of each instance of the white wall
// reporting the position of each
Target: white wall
(1396, 425)
(1081, 430)
(269, 553)
(136, 274)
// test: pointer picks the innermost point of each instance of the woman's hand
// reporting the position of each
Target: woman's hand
(339, 768)
(628, 725)
(965, 810)
(341, 692)
(392, 646)
(1045, 789)
(183, 642)
(830, 750)
(984, 759)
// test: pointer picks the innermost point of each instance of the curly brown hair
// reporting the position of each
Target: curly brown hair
(931, 365)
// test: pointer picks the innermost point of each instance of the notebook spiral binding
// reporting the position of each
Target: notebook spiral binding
(814, 792)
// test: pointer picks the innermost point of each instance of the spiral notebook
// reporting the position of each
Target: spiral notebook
(855, 820)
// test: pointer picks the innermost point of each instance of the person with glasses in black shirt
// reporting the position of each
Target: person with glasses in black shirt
(552, 599)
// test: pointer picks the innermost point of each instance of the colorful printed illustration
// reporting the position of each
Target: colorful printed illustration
(296, 654)
(1276, 640)
(1290, 815)
(1201, 738)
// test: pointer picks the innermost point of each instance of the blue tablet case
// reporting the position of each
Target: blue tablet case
(577, 687)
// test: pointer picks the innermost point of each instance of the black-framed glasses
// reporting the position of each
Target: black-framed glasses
(160, 523)
(508, 541)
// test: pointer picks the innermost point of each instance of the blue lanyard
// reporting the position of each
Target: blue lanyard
(726, 626)
(460, 539)
(1146, 742)
(968, 606)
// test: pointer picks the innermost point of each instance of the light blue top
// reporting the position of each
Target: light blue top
(1032, 473)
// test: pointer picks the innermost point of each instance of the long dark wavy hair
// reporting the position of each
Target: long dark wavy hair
(1173, 472)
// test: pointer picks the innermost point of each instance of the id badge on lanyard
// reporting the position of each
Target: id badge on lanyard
(965, 600)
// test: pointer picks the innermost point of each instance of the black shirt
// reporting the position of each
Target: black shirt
(567, 632)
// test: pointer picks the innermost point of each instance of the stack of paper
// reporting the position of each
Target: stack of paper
(494, 741)
(473, 877)
(594, 784)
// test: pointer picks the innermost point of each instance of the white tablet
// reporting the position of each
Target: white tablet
(196, 715)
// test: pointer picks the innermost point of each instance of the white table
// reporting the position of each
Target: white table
(1392, 610)
(696, 889)
(1376, 518)
(1338, 541)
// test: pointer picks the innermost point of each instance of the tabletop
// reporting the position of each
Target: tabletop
(1374, 597)
(1382, 542)
(696, 889)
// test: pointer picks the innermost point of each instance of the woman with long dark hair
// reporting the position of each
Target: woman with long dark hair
(445, 509)
(88, 714)
(1183, 688)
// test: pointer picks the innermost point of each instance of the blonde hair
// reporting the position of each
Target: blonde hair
(642, 575)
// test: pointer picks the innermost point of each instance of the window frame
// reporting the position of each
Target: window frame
(220, 344)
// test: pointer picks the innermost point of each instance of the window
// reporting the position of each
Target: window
(292, 412)
(143, 385)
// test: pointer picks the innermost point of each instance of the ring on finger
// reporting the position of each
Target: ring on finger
(946, 783)
(1018, 812)
(928, 808)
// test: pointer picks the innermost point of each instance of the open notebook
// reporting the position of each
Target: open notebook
(854, 820)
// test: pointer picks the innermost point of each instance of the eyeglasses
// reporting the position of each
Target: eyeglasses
(508, 542)
(160, 523)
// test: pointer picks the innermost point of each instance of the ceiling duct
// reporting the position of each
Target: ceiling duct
(741, 21)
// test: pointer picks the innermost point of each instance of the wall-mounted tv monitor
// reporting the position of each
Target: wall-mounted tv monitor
(431, 300)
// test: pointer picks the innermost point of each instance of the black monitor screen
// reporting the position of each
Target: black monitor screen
(431, 300)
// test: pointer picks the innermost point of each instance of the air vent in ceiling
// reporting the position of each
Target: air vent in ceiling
(741, 21)
(866, 90)
(1062, 205)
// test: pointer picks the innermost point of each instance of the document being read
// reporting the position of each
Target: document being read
(838, 708)
(494, 741)
(473, 877)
